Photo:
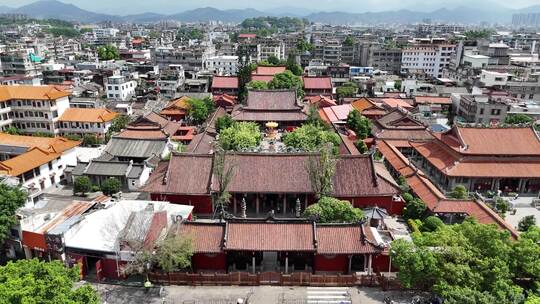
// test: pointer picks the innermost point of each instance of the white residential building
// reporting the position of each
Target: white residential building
(427, 57)
(82, 121)
(32, 109)
(493, 79)
(105, 32)
(222, 65)
(120, 89)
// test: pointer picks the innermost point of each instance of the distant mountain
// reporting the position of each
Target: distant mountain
(5, 9)
(213, 14)
(58, 10)
(483, 12)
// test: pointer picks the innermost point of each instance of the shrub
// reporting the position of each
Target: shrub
(111, 186)
(82, 185)
(432, 223)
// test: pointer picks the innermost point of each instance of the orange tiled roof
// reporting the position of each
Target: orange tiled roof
(88, 115)
(8, 92)
(55, 144)
(27, 161)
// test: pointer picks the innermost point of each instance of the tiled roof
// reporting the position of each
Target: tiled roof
(317, 83)
(396, 102)
(336, 113)
(51, 144)
(263, 70)
(265, 116)
(207, 238)
(432, 100)
(224, 100)
(264, 78)
(272, 100)
(135, 148)
(321, 101)
(225, 82)
(176, 106)
(270, 237)
(142, 133)
(345, 239)
(27, 161)
(493, 141)
(31, 92)
(87, 115)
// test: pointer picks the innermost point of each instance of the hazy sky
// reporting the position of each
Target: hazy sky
(172, 6)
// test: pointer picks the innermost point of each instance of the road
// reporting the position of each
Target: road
(114, 294)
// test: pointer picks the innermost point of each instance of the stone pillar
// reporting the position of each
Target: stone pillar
(284, 204)
(350, 264)
(286, 262)
(257, 203)
(305, 201)
(521, 186)
(370, 271)
(253, 262)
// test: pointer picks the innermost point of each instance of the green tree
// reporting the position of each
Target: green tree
(321, 170)
(332, 210)
(90, 140)
(431, 223)
(174, 253)
(348, 89)
(119, 123)
(502, 206)
(312, 138)
(361, 146)
(526, 254)
(414, 209)
(224, 122)
(223, 174)
(13, 131)
(463, 263)
(313, 118)
(349, 41)
(73, 137)
(287, 80)
(273, 60)
(108, 52)
(459, 192)
(111, 186)
(303, 46)
(515, 119)
(257, 85)
(242, 135)
(200, 109)
(397, 85)
(82, 185)
(526, 222)
(359, 124)
(292, 66)
(34, 281)
(11, 199)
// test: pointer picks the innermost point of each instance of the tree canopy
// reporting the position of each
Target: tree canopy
(241, 135)
(468, 262)
(515, 119)
(526, 222)
(174, 253)
(200, 109)
(257, 85)
(108, 52)
(111, 186)
(332, 210)
(82, 185)
(348, 89)
(11, 199)
(459, 192)
(34, 281)
(224, 122)
(310, 137)
(287, 80)
(274, 24)
(359, 124)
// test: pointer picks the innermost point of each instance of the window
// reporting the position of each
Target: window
(495, 112)
(482, 111)
(50, 165)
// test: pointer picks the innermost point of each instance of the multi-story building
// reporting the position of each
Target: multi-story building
(32, 109)
(271, 48)
(222, 65)
(119, 88)
(385, 59)
(531, 19)
(19, 63)
(427, 57)
(481, 109)
(36, 163)
(171, 80)
(328, 50)
(191, 58)
(83, 121)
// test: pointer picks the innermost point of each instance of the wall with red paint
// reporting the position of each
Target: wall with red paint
(386, 202)
(216, 262)
(380, 263)
(336, 263)
(109, 269)
(202, 203)
(34, 240)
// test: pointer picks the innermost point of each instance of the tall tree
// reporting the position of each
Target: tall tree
(174, 253)
(34, 281)
(223, 173)
(11, 199)
(287, 80)
(321, 169)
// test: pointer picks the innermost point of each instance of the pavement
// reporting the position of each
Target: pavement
(116, 294)
(523, 207)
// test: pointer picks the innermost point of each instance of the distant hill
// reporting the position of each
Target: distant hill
(489, 13)
(210, 13)
(58, 10)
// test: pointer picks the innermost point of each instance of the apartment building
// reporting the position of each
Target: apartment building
(171, 80)
(427, 57)
(83, 121)
(191, 58)
(328, 50)
(119, 88)
(481, 109)
(19, 62)
(385, 59)
(32, 109)
(37, 163)
(222, 65)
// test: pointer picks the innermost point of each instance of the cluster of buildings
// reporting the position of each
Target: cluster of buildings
(437, 101)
